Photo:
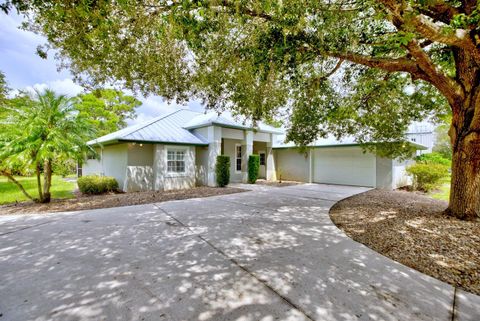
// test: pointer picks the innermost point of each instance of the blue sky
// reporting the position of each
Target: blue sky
(24, 69)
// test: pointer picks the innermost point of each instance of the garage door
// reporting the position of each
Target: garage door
(344, 165)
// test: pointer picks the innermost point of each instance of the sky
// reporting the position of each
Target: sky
(24, 69)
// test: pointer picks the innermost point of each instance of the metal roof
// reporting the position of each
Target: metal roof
(330, 141)
(223, 121)
(174, 128)
(163, 129)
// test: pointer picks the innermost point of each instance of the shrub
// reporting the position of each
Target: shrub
(92, 184)
(427, 176)
(222, 170)
(433, 158)
(253, 167)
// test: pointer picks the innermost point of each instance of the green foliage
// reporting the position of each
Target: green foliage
(253, 168)
(65, 168)
(38, 131)
(427, 176)
(107, 110)
(92, 184)
(222, 170)
(433, 158)
(267, 59)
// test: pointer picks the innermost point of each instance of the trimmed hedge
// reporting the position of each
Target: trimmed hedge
(222, 170)
(93, 184)
(253, 168)
(427, 176)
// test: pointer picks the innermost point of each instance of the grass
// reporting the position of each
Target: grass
(443, 192)
(10, 193)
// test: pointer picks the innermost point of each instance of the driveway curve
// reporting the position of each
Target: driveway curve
(268, 254)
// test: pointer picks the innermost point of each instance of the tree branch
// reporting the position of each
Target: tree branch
(14, 181)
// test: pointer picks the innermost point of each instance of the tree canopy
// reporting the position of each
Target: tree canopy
(107, 109)
(348, 67)
(38, 131)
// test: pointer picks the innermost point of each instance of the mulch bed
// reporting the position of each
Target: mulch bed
(82, 202)
(277, 183)
(412, 229)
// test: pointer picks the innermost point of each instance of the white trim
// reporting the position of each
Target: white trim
(236, 158)
(176, 149)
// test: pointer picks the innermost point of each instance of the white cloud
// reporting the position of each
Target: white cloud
(63, 87)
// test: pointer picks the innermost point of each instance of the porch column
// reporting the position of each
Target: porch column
(214, 149)
(271, 173)
(247, 150)
(159, 167)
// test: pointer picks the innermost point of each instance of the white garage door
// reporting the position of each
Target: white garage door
(344, 165)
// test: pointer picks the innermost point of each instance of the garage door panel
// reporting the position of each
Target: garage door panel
(348, 166)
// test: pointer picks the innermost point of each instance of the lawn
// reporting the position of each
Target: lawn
(10, 193)
(443, 192)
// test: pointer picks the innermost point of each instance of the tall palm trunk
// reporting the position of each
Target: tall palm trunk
(38, 172)
(47, 172)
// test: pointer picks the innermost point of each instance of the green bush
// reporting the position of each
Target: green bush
(253, 167)
(92, 184)
(222, 170)
(433, 158)
(427, 176)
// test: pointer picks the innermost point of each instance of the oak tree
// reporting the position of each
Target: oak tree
(347, 67)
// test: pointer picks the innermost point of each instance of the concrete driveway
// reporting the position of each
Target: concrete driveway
(269, 254)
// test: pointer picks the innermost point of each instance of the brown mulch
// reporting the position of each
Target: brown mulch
(84, 202)
(277, 183)
(412, 229)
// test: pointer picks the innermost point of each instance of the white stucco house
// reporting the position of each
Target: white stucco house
(179, 150)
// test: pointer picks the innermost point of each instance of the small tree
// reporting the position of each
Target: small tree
(222, 170)
(38, 130)
(253, 167)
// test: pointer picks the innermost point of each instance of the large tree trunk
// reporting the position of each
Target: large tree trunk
(465, 185)
(47, 172)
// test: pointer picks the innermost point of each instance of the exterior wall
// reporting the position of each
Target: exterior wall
(400, 177)
(139, 172)
(140, 154)
(163, 180)
(228, 149)
(291, 165)
(231, 133)
(384, 172)
(201, 163)
(262, 137)
(257, 148)
(114, 162)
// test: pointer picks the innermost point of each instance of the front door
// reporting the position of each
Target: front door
(263, 168)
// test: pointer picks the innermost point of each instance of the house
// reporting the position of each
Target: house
(179, 150)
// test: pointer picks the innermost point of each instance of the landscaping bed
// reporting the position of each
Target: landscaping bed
(412, 229)
(83, 202)
(277, 183)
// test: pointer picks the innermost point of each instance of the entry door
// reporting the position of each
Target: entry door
(263, 164)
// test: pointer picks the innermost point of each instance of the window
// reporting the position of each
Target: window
(176, 161)
(262, 159)
(238, 158)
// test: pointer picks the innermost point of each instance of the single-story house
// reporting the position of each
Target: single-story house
(179, 150)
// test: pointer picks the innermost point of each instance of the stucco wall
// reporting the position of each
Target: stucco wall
(291, 165)
(140, 154)
(201, 163)
(164, 180)
(114, 162)
(400, 176)
(228, 149)
(384, 172)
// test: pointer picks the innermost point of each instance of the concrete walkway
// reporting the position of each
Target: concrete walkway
(269, 254)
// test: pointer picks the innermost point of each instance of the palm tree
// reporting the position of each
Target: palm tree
(38, 131)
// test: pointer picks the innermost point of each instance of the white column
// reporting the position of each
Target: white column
(271, 173)
(159, 167)
(247, 150)
(310, 165)
(214, 149)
